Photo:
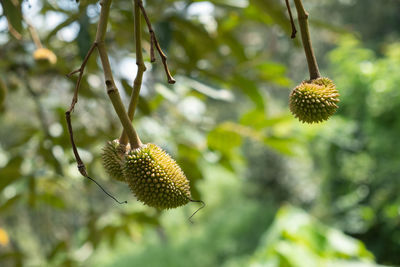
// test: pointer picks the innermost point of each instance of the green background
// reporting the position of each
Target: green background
(278, 192)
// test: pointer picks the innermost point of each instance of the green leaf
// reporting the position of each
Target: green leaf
(273, 72)
(282, 145)
(223, 139)
(12, 10)
(297, 239)
(250, 89)
(9, 203)
(10, 173)
(83, 39)
(254, 118)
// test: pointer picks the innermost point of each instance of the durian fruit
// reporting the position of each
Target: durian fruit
(112, 158)
(314, 101)
(155, 178)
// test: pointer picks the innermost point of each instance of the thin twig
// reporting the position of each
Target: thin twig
(139, 75)
(99, 42)
(306, 39)
(154, 42)
(116, 200)
(294, 31)
(81, 165)
(78, 82)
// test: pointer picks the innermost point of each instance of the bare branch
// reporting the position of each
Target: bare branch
(78, 82)
(154, 42)
(137, 84)
(294, 31)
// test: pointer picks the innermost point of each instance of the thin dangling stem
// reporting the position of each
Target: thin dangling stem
(81, 166)
(306, 39)
(154, 42)
(202, 206)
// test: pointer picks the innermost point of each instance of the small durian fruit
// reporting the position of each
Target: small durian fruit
(112, 157)
(45, 55)
(155, 178)
(314, 101)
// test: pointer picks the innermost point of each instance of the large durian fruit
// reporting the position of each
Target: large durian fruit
(314, 101)
(155, 178)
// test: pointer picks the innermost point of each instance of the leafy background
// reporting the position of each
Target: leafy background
(278, 193)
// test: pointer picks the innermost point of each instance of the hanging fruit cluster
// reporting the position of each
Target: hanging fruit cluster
(152, 175)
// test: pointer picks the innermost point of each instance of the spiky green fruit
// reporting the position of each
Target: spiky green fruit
(155, 178)
(112, 158)
(314, 101)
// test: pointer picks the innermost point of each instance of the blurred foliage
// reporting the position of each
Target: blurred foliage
(226, 123)
(360, 174)
(296, 239)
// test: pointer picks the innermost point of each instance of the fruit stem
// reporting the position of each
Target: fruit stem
(306, 39)
(112, 89)
(139, 75)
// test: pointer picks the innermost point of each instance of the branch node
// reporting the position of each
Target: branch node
(73, 72)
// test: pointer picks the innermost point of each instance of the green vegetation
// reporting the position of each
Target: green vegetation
(278, 192)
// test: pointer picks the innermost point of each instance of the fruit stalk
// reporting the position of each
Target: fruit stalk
(306, 39)
(112, 89)
(139, 75)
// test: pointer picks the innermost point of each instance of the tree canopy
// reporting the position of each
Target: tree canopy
(277, 192)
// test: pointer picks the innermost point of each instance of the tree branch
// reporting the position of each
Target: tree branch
(78, 82)
(112, 92)
(112, 89)
(306, 39)
(154, 42)
(81, 166)
(139, 75)
(294, 31)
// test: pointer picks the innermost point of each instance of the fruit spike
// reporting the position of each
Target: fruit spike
(314, 101)
(112, 158)
(155, 178)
